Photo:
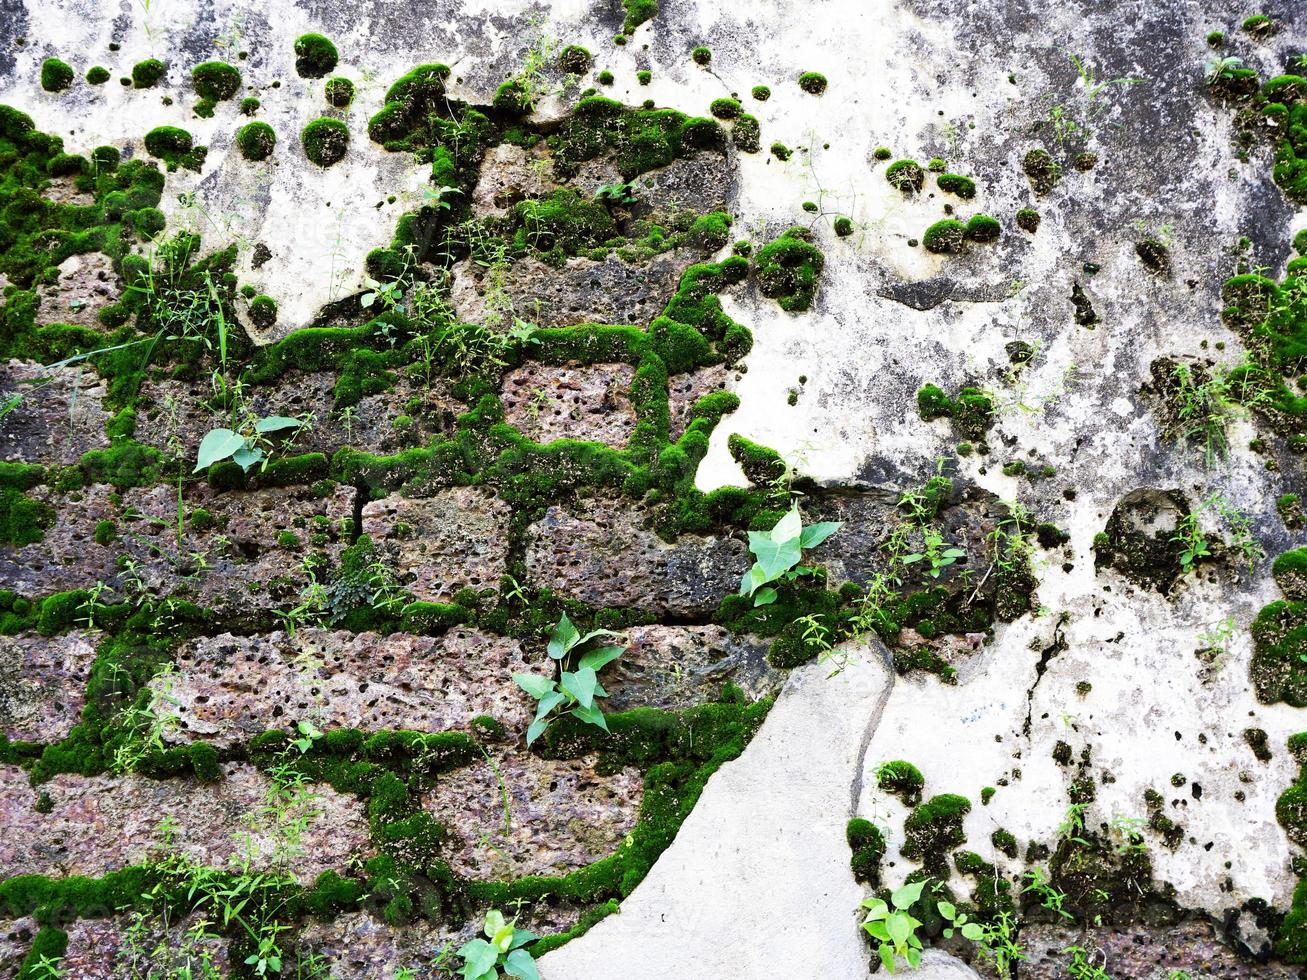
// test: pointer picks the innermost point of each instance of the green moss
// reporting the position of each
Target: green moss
(1258, 25)
(97, 75)
(780, 151)
(563, 220)
(981, 228)
(1004, 842)
(945, 237)
(843, 226)
(903, 779)
(1278, 670)
(868, 846)
(934, 829)
(637, 12)
(726, 108)
(1028, 220)
(963, 187)
(1041, 169)
(215, 80)
(147, 73)
(606, 77)
(315, 56)
(812, 82)
(23, 520)
(1290, 571)
(339, 92)
(1215, 39)
(325, 141)
(882, 153)
(906, 176)
(574, 60)
(56, 75)
(747, 134)
(256, 140)
(701, 56)
(789, 268)
(175, 147)
(249, 105)
(760, 93)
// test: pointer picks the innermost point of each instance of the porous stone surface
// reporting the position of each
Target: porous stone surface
(571, 401)
(584, 290)
(1142, 953)
(99, 824)
(59, 414)
(513, 814)
(42, 684)
(86, 284)
(683, 390)
(105, 949)
(603, 555)
(455, 539)
(680, 666)
(15, 940)
(228, 688)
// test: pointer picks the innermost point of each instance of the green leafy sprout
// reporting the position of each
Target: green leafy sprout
(575, 690)
(777, 554)
(501, 950)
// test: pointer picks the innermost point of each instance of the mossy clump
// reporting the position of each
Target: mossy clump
(97, 75)
(789, 268)
(147, 73)
(906, 176)
(945, 237)
(934, 829)
(1004, 842)
(701, 56)
(263, 312)
(972, 411)
(637, 12)
(982, 228)
(256, 140)
(726, 108)
(174, 146)
(606, 77)
(1155, 256)
(1215, 39)
(249, 105)
(1041, 169)
(780, 151)
(760, 93)
(56, 75)
(882, 153)
(1028, 220)
(325, 141)
(1291, 511)
(574, 60)
(843, 226)
(747, 134)
(315, 56)
(339, 92)
(564, 221)
(1290, 571)
(901, 778)
(215, 81)
(868, 846)
(644, 76)
(963, 187)
(1258, 25)
(812, 82)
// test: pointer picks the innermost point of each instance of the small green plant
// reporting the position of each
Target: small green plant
(1219, 68)
(1192, 540)
(623, 193)
(894, 928)
(575, 690)
(1038, 884)
(995, 940)
(777, 554)
(245, 448)
(1084, 964)
(934, 552)
(502, 949)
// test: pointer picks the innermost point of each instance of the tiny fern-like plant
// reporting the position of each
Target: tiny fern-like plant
(575, 691)
(501, 953)
(777, 554)
(894, 928)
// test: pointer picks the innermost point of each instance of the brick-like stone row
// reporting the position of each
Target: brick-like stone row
(228, 688)
(599, 552)
(59, 415)
(452, 540)
(174, 417)
(42, 684)
(99, 824)
(233, 562)
(571, 401)
(559, 815)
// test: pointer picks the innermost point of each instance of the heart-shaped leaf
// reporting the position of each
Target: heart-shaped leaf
(815, 534)
(520, 964)
(592, 716)
(907, 895)
(764, 597)
(247, 456)
(536, 729)
(276, 423)
(581, 684)
(563, 638)
(534, 684)
(478, 957)
(600, 657)
(217, 445)
(788, 528)
(494, 922)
